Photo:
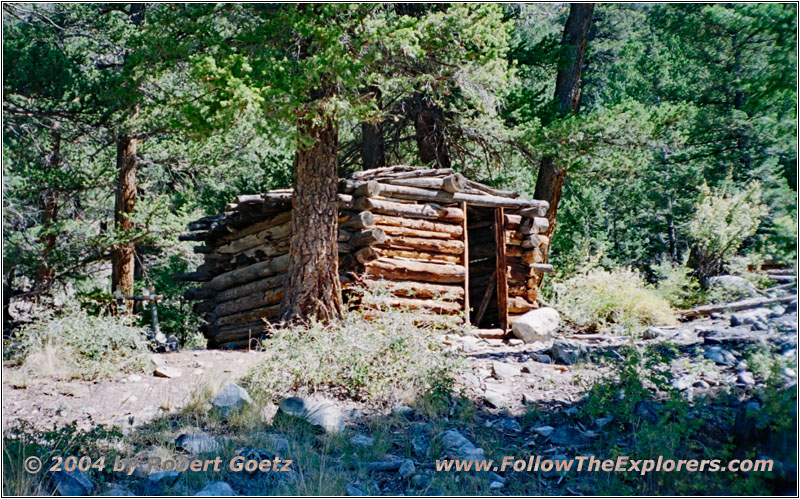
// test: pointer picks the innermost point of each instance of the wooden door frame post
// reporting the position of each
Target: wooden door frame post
(466, 265)
(502, 268)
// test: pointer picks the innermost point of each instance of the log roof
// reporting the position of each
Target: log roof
(435, 186)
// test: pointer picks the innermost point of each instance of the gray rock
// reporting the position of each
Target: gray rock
(757, 318)
(390, 465)
(419, 482)
(720, 356)
(495, 485)
(507, 424)
(196, 443)
(403, 410)
(456, 444)
(495, 399)
(536, 325)
(601, 422)
(352, 490)
(567, 435)
(777, 311)
(217, 489)
(684, 382)
(542, 358)
(702, 384)
(544, 431)
(231, 398)
(568, 351)
(157, 483)
(72, 483)
(420, 445)
(277, 443)
(745, 378)
(731, 287)
(319, 412)
(528, 398)
(407, 468)
(788, 372)
(504, 370)
(652, 333)
(167, 372)
(362, 441)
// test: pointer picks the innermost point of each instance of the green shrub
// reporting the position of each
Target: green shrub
(722, 222)
(598, 299)
(677, 285)
(379, 356)
(75, 344)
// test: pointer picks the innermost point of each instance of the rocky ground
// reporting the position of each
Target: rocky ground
(525, 397)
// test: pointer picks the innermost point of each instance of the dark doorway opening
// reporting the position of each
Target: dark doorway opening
(482, 267)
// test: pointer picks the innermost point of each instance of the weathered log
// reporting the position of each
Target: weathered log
(343, 235)
(412, 223)
(451, 183)
(534, 255)
(249, 330)
(535, 211)
(417, 255)
(366, 254)
(736, 305)
(251, 289)
(273, 221)
(194, 236)
(250, 273)
(418, 289)
(344, 201)
(257, 300)
(358, 220)
(201, 293)
(203, 307)
(491, 190)
(519, 305)
(534, 241)
(344, 248)
(196, 276)
(390, 268)
(386, 170)
(448, 246)
(203, 250)
(440, 307)
(428, 210)
(368, 237)
(404, 231)
(210, 331)
(495, 334)
(369, 189)
(268, 313)
(487, 200)
(544, 268)
(238, 245)
(512, 221)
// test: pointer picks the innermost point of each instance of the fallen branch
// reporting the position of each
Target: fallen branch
(734, 306)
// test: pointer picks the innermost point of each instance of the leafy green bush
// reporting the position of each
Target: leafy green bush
(722, 222)
(677, 285)
(598, 299)
(379, 356)
(75, 344)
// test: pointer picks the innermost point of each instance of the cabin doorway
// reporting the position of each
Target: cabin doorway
(483, 254)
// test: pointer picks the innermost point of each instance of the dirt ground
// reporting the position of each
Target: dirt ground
(130, 399)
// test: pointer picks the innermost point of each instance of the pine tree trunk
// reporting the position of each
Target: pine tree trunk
(373, 146)
(313, 288)
(429, 126)
(573, 45)
(46, 272)
(123, 254)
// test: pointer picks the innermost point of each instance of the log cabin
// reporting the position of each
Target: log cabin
(437, 242)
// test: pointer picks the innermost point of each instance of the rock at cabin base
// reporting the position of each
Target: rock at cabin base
(231, 398)
(536, 325)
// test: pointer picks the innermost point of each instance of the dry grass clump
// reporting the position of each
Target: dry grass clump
(599, 299)
(380, 355)
(75, 344)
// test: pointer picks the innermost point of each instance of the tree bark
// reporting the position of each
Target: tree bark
(431, 138)
(46, 271)
(373, 153)
(313, 287)
(122, 257)
(551, 177)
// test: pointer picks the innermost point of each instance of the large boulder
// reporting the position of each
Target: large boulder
(457, 445)
(220, 489)
(320, 413)
(568, 351)
(231, 398)
(536, 325)
(72, 483)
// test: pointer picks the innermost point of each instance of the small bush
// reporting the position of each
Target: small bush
(677, 285)
(598, 299)
(75, 344)
(720, 225)
(378, 356)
